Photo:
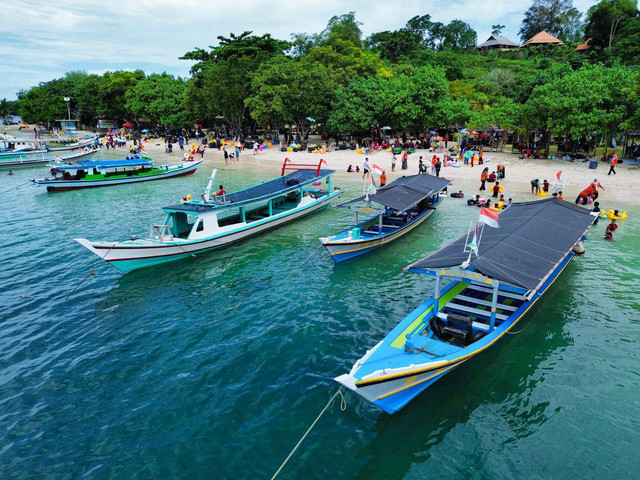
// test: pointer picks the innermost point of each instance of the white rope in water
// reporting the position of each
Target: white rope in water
(343, 407)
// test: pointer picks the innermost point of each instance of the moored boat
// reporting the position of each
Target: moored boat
(494, 281)
(219, 220)
(405, 203)
(111, 172)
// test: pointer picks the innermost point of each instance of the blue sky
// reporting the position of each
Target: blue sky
(40, 41)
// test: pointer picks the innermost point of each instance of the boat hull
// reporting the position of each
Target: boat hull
(131, 257)
(394, 388)
(344, 250)
(61, 185)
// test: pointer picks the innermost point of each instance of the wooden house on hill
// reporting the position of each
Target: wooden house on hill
(498, 42)
(542, 38)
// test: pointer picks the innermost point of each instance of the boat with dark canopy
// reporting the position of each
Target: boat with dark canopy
(215, 221)
(493, 282)
(404, 204)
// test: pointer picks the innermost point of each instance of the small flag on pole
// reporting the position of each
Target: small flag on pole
(559, 175)
(473, 246)
(377, 170)
(489, 217)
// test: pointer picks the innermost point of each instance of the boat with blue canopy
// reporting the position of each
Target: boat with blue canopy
(483, 286)
(111, 172)
(398, 208)
(196, 226)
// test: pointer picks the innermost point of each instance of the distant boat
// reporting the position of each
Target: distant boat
(197, 226)
(405, 203)
(64, 146)
(111, 172)
(488, 294)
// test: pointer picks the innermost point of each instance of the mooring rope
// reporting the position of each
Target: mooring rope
(297, 267)
(343, 406)
(15, 188)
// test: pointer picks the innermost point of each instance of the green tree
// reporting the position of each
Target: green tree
(557, 17)
(9, 107)
(590, 101)
(287, 91)
(497, 29)
(113, 87)
(606, 19)
(222, 76)
(396, 45)
(626, 45)
(160, 98)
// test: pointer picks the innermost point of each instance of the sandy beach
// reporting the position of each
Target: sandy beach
(624, 187)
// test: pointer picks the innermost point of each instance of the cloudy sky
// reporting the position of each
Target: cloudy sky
(40, 41)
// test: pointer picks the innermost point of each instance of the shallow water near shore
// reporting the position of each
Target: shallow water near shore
(214, 366)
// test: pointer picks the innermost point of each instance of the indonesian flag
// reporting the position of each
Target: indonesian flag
(377, 170)
(489, 217)
(60, 158)
(559, 175)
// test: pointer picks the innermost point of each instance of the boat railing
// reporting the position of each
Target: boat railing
(160, 232)
(289, 165)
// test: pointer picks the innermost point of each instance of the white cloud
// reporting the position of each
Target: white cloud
(42, 41)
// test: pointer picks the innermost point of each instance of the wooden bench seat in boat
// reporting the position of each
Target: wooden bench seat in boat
(501, 293)
(478, 325)
(474, 311)
(486, 303)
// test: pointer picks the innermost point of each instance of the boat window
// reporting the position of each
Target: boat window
(200, 226)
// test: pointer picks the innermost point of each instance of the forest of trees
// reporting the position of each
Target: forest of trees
(424, 75)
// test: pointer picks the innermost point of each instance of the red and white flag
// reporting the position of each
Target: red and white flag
(489, 217)
(559, 175)
(377, 170)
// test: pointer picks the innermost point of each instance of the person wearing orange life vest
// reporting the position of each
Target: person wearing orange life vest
(614, 162)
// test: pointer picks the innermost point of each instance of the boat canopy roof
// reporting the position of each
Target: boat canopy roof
(404, 192)
(107, 164)
(532, 238)
(269, 189)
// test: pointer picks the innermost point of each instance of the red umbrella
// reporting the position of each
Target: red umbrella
(128, 124)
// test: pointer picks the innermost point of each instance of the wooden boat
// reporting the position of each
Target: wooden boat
(65, 146)
(487, 295)
(197, 226)
(405, 203)
(111, 172)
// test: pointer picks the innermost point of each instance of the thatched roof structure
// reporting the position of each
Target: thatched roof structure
(498, 42)
(542, 38)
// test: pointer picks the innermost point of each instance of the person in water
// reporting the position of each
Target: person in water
(612, 227)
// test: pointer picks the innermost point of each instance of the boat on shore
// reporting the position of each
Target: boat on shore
(405, 203)
(493, 282)
(111, 172)
(216, 221)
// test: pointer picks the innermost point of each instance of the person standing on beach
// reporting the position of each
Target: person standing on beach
(365, 167)
(438, 165)
(483, 178)
(237, 152)
(535, 186)
(226, 155)
(405, 155)
(614, 162)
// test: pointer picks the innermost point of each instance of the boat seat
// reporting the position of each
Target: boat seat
(499, 306)
(501, 293)
(391, 226)
(477, 325)
(371, 232)
(475, 311)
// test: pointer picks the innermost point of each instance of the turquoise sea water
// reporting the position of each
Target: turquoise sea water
(214, 367)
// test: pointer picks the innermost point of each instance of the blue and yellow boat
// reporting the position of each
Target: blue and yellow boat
(487, 293)
(404, 204)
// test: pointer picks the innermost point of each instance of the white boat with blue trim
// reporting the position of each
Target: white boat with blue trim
(488, 293)
(217, 221)
(402, 205)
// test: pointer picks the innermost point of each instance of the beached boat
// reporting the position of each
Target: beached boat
(111, 172)
(64, 146)
(404, 204)
(488, 294)
(216, 221)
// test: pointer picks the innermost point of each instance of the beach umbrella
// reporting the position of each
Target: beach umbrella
(128, 124)
(146, 130)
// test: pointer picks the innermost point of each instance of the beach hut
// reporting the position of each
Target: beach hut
(630, 149)
(542, 38)
(498, 42)
(584, 47)
(69, 127)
